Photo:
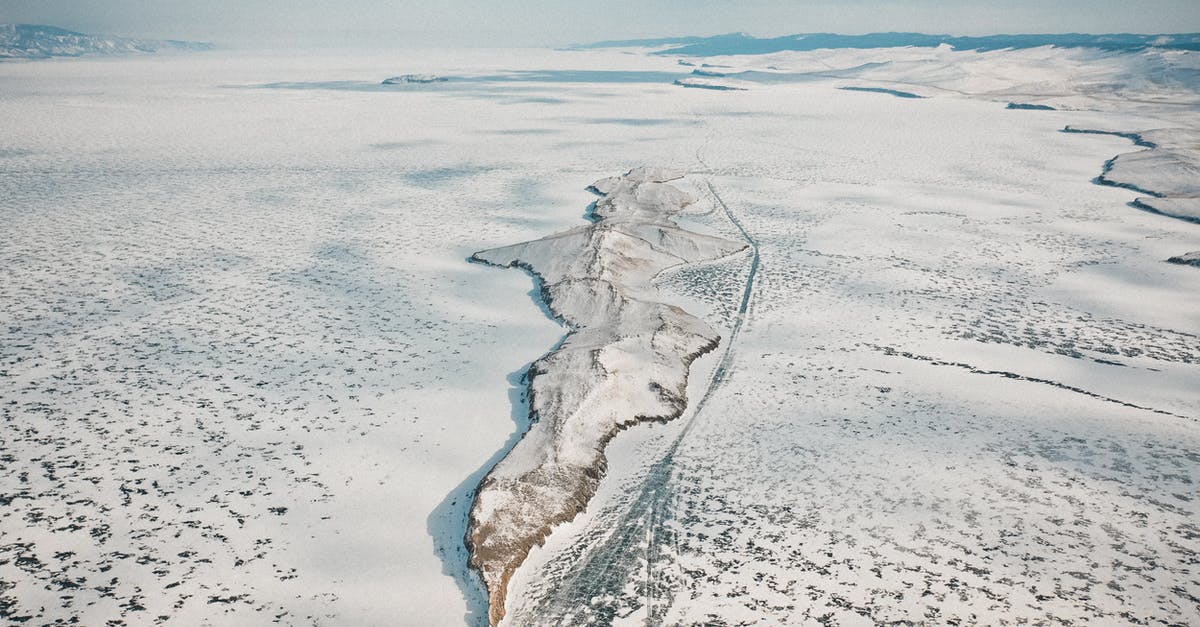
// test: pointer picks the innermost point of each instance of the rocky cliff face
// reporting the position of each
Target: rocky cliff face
(625, 360)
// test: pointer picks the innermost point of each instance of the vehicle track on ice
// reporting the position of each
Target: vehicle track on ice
(607, 570)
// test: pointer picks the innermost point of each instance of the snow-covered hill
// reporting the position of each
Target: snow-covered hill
(33, 41)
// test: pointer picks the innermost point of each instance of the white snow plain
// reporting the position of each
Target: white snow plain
(248, 375)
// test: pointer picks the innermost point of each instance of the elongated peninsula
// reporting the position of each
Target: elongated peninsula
(624, 360)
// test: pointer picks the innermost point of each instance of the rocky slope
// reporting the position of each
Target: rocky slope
(625, 360)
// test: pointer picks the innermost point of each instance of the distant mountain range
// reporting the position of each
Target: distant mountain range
(33, 41)
(741, 43)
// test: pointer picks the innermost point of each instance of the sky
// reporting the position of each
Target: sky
(243, 23)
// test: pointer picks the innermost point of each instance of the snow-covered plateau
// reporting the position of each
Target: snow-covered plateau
(823, 356)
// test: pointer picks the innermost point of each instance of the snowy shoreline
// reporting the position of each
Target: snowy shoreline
(1165, 172)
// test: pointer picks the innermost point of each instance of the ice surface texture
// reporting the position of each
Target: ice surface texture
(624, 361)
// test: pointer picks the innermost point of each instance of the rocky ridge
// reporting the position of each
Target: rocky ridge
(624, 360)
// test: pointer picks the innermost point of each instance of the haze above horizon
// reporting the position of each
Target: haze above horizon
(556, 22)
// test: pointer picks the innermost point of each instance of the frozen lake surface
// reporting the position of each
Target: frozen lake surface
(247, 374)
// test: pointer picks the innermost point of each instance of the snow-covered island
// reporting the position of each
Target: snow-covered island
(624, 361)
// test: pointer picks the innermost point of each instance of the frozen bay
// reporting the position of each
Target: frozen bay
(248, 374)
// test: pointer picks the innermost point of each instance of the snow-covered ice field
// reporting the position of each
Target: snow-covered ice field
(248, 375)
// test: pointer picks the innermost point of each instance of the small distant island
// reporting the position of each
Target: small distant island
(411, 79)
(1025, 106)
(35, 41)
